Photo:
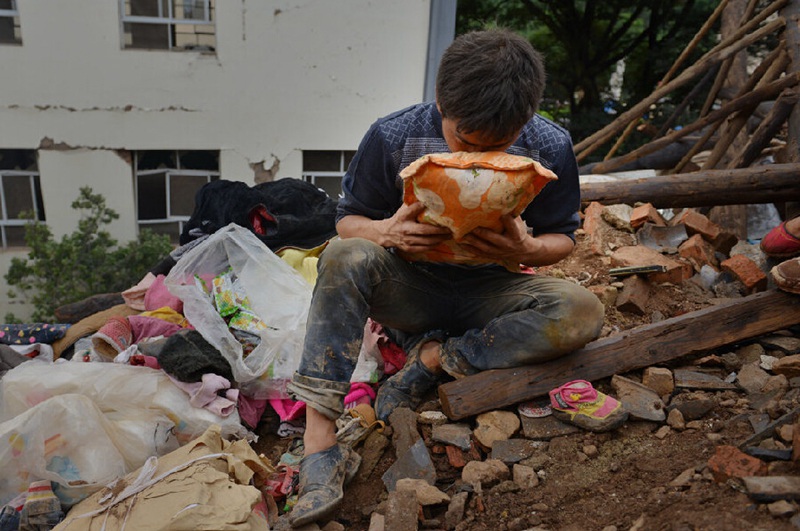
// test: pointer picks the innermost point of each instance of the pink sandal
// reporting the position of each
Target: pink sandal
(779, 243)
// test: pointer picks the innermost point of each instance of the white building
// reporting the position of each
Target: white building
(146, 100)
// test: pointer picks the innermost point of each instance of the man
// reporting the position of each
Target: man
(451, 319)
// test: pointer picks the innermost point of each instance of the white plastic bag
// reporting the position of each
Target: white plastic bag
(66, 440)
(82, 424)
(277, 293)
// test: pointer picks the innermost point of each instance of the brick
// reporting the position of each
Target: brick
(455, 456)
(639, 255)
(592, 225)
(646, 213)
(659, 379)
(698, 252)
(747, 271)
(730, 462)
(697, 223)
(634, 295)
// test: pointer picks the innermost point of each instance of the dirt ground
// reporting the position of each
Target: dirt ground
(611, 481)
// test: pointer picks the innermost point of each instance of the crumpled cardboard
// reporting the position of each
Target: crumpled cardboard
(206, 484)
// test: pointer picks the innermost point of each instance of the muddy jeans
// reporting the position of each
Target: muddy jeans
(487, 318)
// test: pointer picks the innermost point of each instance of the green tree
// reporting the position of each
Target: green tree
(583, 40)
(87, 262)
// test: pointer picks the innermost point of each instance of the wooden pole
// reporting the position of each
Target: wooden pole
(758, 184)
(647, 345)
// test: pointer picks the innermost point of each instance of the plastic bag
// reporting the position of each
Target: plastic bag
(76, 423)
(277, 293)
(66, 440)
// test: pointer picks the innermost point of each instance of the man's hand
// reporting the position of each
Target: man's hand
(404, 232)
(513, 244)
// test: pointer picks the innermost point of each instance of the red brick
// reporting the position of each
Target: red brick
(747, 271)
(646, 213)
(639, 255)
(730, 462)
(592, 223)
(634, 295)
(699, 252)
(455, 456)
(697, 223)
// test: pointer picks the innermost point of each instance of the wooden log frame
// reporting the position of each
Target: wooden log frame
(769, 127)
(725, 49)
(767, 92)
(742, 186)
(644, 346)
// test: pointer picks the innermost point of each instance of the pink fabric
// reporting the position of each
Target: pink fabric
(144, 327)
(205, 394)
(360, 393)
(134, 296)
(287, 409)
(158, 296)
(251, 409)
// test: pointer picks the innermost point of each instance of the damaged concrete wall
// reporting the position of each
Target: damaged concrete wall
(286, 77)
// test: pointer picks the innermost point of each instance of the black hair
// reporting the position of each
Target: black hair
(490, 82)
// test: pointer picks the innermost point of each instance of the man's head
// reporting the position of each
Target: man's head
(489, 85)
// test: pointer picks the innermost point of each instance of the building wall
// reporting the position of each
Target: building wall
(286, 77)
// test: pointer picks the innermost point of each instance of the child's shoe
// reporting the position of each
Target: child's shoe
(578, 403)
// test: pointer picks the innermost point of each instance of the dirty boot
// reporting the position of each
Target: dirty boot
(322, 477)
(405, 388)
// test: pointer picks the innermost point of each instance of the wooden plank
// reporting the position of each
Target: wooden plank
(742, 186)
(647, 345)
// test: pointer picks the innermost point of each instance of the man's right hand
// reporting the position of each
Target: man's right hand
(404, 232)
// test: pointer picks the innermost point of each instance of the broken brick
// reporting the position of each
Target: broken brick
(698, 252)
(747, 271)
(455, 456)
(646, 213)
(730, 462)
(697, 223)
(592, 222)
(634, 295)
(639, 255)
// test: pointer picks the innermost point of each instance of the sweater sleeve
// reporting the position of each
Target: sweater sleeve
(369, 186)
(555, 209)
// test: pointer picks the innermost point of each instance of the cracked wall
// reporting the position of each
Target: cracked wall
(313, 77)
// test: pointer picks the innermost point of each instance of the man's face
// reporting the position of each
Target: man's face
(474, 141)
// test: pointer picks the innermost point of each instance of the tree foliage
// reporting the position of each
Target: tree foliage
(583, 41)
(85, 263)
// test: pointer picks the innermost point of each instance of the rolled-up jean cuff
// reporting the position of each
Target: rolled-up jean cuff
(325, 396)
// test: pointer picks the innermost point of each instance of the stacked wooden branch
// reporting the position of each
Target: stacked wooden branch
(773, 84)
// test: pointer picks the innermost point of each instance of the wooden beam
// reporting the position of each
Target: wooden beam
(647, 345)
(743, 186)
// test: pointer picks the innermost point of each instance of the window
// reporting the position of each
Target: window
(20, 194)
(168, 24)
(166, 183)
(9, 23)
(325, 169)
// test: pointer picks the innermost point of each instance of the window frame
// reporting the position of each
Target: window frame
(5, 221)
(12, 14)
(162, 20)
(181, 220)
(310, 176)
